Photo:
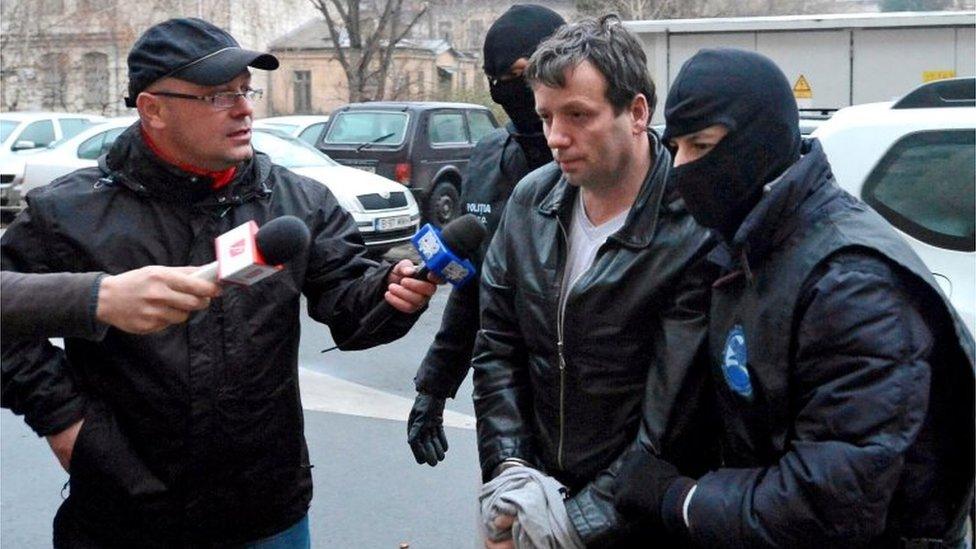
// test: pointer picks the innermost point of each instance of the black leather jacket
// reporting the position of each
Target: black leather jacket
(192, 435)
(563, 390)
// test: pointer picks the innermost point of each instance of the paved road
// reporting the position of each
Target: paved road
(369, 492)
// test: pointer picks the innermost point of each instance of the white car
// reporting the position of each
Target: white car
(308, 128)
(26, 133)
(914, 161)
(385, 212)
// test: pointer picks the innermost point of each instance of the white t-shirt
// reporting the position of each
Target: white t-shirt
(585, 240)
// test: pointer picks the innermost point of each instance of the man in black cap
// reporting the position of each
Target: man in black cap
(497, 163)
(843, 378)
(191, 436)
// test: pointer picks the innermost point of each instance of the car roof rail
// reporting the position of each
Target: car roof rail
(952, 92)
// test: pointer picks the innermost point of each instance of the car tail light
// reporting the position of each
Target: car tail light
(402, 173)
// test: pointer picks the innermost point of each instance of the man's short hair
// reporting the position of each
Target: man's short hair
(605, 43)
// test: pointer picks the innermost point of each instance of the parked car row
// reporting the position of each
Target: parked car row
(25, 133)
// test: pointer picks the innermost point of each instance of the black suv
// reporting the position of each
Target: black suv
(423, 145)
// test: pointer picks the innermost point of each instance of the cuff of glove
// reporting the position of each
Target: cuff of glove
(672, 505)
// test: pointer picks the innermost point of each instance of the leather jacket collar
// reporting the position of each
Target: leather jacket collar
(655, 193)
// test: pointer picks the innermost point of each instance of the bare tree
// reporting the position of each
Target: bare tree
(364, 35)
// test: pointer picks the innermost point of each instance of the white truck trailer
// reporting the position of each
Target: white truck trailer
(832, 61)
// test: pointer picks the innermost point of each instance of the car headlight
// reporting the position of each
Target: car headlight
(349, 203)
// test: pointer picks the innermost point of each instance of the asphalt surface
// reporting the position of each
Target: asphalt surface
(369, 491)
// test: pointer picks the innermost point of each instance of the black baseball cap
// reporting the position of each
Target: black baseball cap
(189, 49)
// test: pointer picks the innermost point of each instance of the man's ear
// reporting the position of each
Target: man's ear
(150, 110)
(640, 114)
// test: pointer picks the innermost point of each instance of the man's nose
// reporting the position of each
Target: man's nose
(242, 107)
(556, 137)
(681, 156)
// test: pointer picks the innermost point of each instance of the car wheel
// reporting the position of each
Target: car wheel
(443, 204)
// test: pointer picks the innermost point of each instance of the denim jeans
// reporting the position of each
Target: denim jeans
(295, 537)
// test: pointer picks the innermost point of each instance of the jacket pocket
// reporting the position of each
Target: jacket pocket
(107, 476)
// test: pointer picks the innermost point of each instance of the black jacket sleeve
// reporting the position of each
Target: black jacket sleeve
(35, 379)
(677, 422)
(50, 305)
(449, 357)
(342, 285)
(502, 388)
(861, 389)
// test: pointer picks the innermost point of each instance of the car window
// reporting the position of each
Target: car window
(924, 186)
(311, 134)
(446, 127)
(71, 127)
(384, 128)
(41, 133)
(289, 151)
(480, 124)
(98, 144)
(6, 128)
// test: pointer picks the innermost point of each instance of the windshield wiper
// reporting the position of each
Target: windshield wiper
(377, 140)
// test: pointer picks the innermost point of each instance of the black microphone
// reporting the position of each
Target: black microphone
(462, 237)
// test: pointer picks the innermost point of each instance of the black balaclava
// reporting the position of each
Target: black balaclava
(747, 93)
(514, 35)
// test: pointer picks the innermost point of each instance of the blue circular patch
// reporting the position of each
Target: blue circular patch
(735, 360)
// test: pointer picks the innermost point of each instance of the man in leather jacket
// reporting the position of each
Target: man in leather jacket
(497, 163)
(594, 291)
(843, 377)
(191, 436)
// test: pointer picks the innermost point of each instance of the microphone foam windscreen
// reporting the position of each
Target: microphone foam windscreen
(282, 238)
(463, 235)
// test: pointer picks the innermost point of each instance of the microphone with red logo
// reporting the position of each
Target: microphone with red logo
(247, 254)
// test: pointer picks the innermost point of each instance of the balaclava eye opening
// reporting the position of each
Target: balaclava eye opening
(749, 95)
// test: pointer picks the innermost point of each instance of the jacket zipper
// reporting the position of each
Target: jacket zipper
(560, 317)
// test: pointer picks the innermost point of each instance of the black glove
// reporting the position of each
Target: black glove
(425, 429)
(648, 486)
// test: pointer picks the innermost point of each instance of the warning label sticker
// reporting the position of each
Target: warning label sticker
(928, 76)
(802, 89)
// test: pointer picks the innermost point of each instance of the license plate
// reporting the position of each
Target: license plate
(370, 169)
(391, 223)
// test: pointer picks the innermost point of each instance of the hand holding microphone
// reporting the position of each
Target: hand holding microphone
(149, 299)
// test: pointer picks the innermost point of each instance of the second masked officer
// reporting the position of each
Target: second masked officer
(498, 162)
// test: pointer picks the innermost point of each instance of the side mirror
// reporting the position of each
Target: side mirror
(23, 145)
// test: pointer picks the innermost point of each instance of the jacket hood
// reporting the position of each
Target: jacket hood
(655, 192)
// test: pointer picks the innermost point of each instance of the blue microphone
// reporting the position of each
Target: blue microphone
(445, 253)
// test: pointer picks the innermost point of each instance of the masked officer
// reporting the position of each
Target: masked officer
(843, 377)
(498, 162)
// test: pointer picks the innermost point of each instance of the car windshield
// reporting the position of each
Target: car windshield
(6, 128)
(288, 151)
(358, 127)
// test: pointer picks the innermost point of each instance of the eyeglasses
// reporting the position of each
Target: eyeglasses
(220, 101)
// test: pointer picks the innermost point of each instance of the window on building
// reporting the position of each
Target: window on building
(445, 30)
(476, 31)
(95, 69)
(52, 7)
(924, 186)
(302, 81)
(54, 81)
(421, 85)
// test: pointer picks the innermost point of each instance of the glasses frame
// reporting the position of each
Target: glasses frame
(217, 100)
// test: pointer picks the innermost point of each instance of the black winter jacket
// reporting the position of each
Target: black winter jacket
(497, 164)
(844, 381)
(564, 392)
(192, 435)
